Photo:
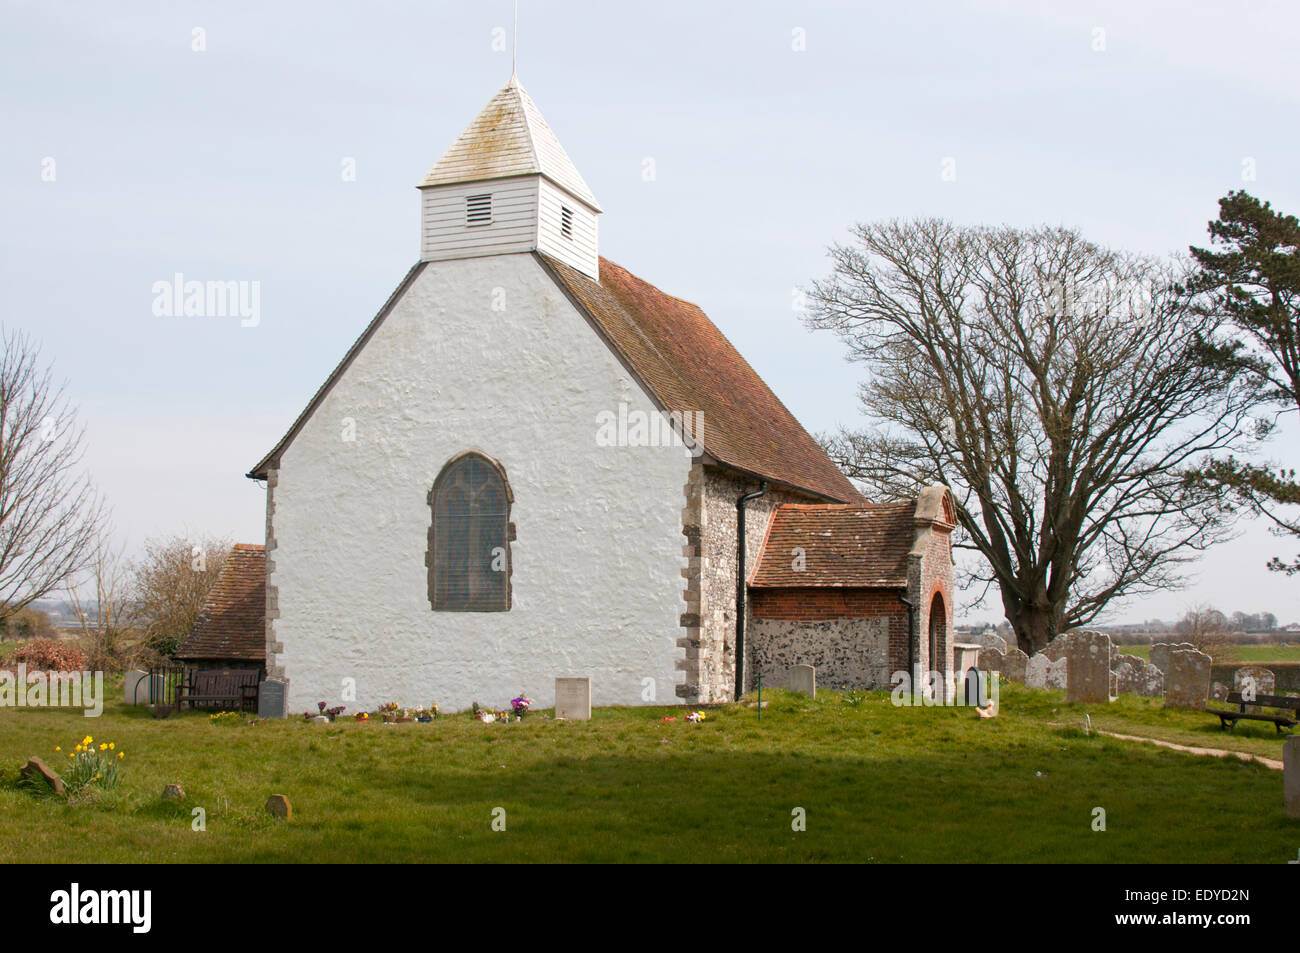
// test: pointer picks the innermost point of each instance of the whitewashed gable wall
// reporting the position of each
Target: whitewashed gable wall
(596, 582)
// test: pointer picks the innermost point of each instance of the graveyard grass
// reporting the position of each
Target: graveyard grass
(877, 783)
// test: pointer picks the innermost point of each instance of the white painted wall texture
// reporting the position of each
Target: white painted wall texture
(597, 561)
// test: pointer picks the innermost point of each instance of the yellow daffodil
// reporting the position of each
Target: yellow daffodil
(87, 740)
(103, 747)
(57, 748)
(111, 746)
(121, 754)
(71, 755)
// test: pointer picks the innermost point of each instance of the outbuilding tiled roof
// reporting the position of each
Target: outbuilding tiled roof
(859, 546)
(687, 364)
(232, 624)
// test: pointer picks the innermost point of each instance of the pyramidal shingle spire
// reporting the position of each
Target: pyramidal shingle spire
(509, 137)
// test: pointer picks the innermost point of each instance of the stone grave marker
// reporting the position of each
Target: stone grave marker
(1087, 659)
(1044, 672)
(1135, 675)
(270, 699)
(36, 766)
(279, 806)
(1012, 663)
(803, 678)
(1161, 651)
(1252, 681)
(141, 688)
(573, 698)
(1187, 684)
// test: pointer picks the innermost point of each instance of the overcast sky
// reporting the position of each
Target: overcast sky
(1126, 120)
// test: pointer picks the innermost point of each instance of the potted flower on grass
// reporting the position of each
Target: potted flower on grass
(520, 704)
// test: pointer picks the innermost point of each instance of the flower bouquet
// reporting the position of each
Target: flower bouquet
(519, 705)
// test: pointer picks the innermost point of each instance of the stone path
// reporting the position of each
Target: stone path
(1212, 752)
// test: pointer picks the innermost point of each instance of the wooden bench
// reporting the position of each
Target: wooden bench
(1227, 719)
(234, 688)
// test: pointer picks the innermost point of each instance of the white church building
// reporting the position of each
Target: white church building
(534, 464)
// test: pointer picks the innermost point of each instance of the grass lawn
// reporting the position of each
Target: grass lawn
(878, 784)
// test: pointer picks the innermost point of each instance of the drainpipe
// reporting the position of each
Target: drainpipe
(911, 638)
(740, 585)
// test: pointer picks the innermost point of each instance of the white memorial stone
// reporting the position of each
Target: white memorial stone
(573, 698)
(803, 678)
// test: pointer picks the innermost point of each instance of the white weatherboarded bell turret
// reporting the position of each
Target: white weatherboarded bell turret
(506, 186)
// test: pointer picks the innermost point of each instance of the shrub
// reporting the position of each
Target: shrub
(50, 655)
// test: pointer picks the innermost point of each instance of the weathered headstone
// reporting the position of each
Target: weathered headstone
(1056, 648)
(173, 792)
(1291, 776)
(573, 698)
(37, 767)
(989, 639)
(1252, 681)
(270, 699)
(1011, 663)
(803, 678)
(141, 688)
(1161, 651)
(1219, 691)
(1044, 672)
(279, 806)
(1135, 675)
(1187, 684)
(1087, 660)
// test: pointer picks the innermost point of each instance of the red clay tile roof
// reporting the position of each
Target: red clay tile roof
(689, 366)
(863, 546)
(232, 624)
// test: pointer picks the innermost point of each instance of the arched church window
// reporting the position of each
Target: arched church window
(469, 538)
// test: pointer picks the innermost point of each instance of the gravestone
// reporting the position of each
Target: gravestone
(1161, 651)
(1219, 692)
(989, 639)
(1057, 648)
(36, 766)
(1291, 776)
(1044, 672)
(803, 678)
(279, 806)
(1252, 681)
(1187, 684)
(1135, 675)
(1011, 663)
(173, 792)
(573, 698)
(270, 699)
(141, 688)
(1087, 659)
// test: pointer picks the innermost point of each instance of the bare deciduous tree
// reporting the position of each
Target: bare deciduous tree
(106, 623)
(172, 581)
(1050, 383)
(50, 514)
(1207, 629)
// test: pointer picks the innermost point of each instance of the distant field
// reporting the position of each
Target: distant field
(1267, 652)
